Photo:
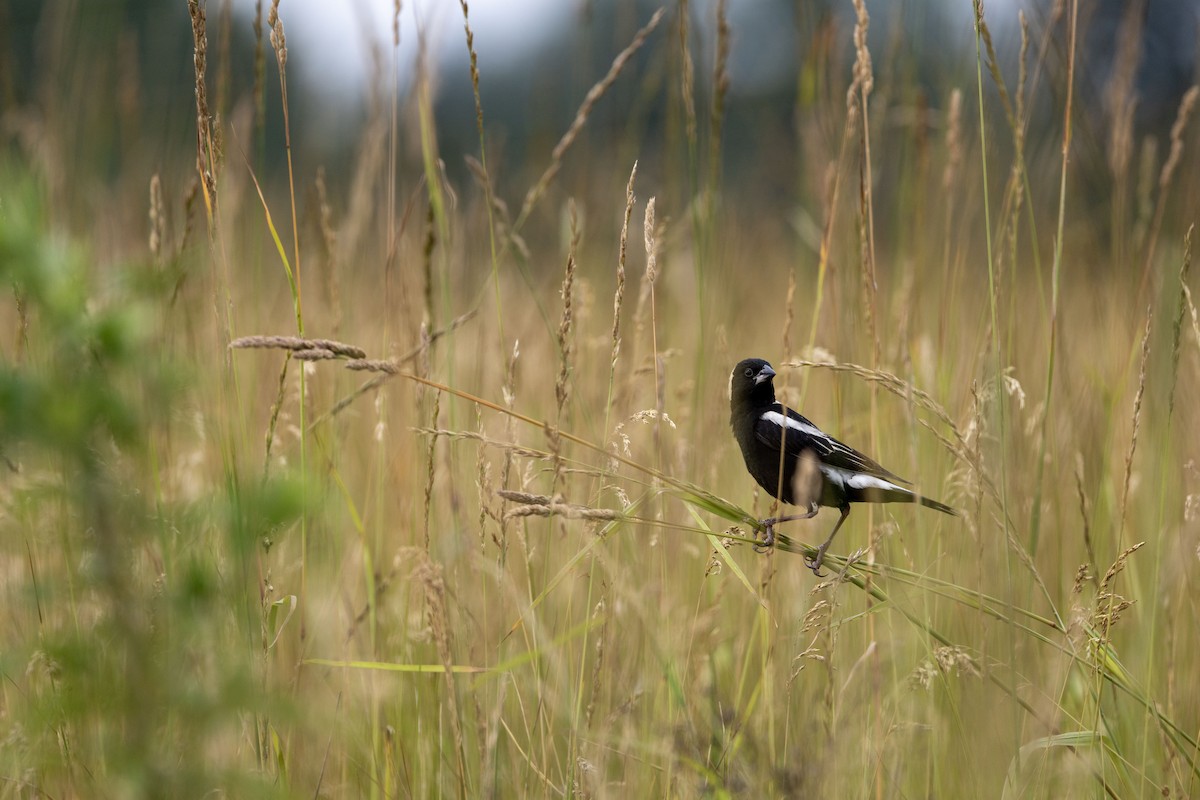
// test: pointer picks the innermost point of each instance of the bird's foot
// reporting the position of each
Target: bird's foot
(814, 563)
(768, 540)
(768, 526)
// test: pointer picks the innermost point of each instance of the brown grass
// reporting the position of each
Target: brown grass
(532, 576)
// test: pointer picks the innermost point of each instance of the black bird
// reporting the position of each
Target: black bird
(818, 470)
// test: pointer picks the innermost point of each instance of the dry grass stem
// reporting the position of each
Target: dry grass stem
(509, 392)
(1085, 517)
(619, 292)
(645, 301)
(993, 65)
(1177, 328)
(474, 62)
(619, 300)
(893, 383)
(954, 144)
(388, 368)
(598, 613)
(260, 70)
(276, 408)
(540, 505)
(1121, 97)
(499, 217)
(860, 91)
(1109, 606)
(483, 482)
(299, 344)
(565, 348)
(1187, 296)
(863, 80)
(509, 447)
(189, 214)
(1022, 78)
(789, 316)
(205, 147)
(369, 167)
(651, 245)
(565, 339)
(1118, 565)
(430, 575)
(581, 116)
(554, 444)
(1137, 419)
(525, 498)
(430, 473)
(687, 75)
(333, 285)
(427, 265)
(382, 584)
(483, 175)
(563, 510)
(315, 354)
(277, 36)
(720, 91)
(1182, 117)
(652, 237)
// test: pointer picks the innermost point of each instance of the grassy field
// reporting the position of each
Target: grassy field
(473, 523)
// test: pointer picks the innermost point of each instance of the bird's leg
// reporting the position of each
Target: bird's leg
(769, 524)
(815, 563)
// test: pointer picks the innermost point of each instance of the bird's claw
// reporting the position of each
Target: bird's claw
(815, 562)
(768, 540)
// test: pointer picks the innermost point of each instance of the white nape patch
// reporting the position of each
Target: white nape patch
(730, 398)
(794, 424)
(858, 480)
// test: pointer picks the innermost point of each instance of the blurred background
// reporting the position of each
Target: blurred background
(536, 58)
(507, 553)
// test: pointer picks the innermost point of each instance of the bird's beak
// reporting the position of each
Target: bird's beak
(765, 374)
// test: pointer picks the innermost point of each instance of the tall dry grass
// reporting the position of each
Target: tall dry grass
(514, 560)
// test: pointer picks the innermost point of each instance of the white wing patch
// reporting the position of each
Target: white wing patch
(858, 480)
(782, 421)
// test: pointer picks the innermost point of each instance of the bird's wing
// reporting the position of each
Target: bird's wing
(802, 435)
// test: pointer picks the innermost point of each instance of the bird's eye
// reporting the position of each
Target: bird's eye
(749, 372)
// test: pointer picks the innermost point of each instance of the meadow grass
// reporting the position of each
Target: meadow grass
(326, 487)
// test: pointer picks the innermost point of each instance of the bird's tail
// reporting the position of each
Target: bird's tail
(879, 491)
(929, 502)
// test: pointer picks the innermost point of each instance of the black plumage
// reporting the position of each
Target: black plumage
(795, 461)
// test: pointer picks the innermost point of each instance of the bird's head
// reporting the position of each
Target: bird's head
(751, 383)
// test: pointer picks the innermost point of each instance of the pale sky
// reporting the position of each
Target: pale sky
(327, 38)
